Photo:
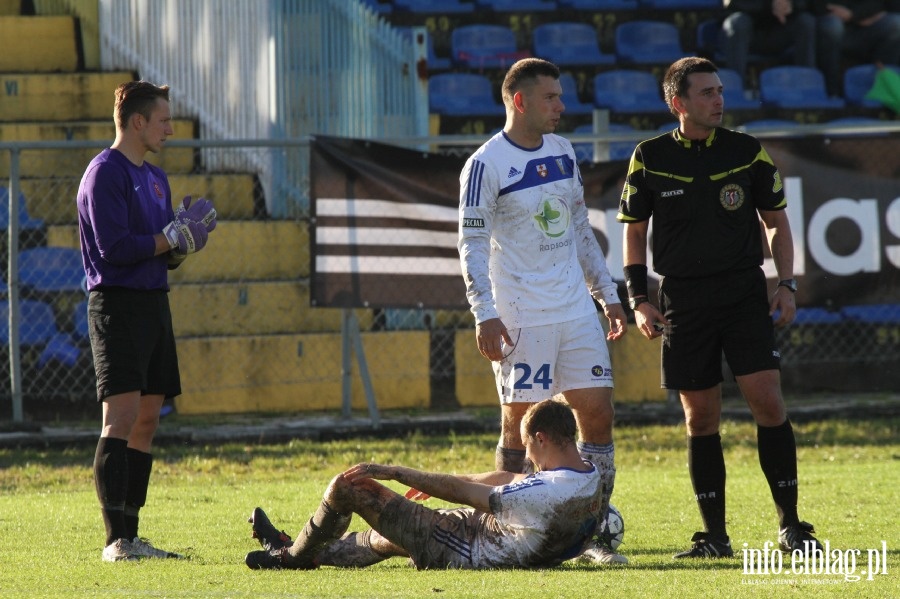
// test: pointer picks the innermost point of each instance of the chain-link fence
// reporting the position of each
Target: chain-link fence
(249, 340)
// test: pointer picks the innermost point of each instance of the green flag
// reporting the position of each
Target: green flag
(886, 88)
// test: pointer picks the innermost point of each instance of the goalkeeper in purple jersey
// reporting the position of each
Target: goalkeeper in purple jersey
(130, 238)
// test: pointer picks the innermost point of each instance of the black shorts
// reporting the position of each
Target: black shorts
(133, 343)
(724, 314)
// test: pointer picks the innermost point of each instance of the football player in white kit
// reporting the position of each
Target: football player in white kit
(512, 520)
(531, 264)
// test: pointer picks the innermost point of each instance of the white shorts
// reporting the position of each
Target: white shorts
(554, 358)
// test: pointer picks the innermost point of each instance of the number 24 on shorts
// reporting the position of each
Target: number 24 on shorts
(541, 378)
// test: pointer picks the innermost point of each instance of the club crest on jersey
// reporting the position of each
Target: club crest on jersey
(541, 170)
(731, 197)
(553, 218)
(158, 191)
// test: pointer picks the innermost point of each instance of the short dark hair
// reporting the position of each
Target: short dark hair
(525, 72)
(552, 417)
(675, 82)
(137, 97)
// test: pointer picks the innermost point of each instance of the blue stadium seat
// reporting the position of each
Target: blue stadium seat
(80, 321)
(598, 4)
(484, 46)
(733, 91)
(795, 87)
(624, 91)
(873, 313)
(569, 44)
(516, 5)
(462, 94)
(26, 222)
(381, 8)
(648, 42)
(858, 80)
(51, 269)
(570, 96)
(435, 62)
(432, 7)
(37, 323)
(769, 124)
(618, 150)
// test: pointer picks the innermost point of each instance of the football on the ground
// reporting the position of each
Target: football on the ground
(613, 529)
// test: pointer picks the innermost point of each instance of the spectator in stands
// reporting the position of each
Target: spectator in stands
(771, 28)
(531, 263)
(859, 32)
(130, 237)
(510, 520)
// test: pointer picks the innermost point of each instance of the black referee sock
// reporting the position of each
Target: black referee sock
(778, 459)
(140, 464)
(707, 467)
(325, 526)
(111, 483)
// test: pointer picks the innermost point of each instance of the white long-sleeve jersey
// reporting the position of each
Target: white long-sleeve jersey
(528, 253)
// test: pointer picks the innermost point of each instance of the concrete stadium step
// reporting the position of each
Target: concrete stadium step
(239, 250)
(59, 163)
(294, 373)
(252, 308)
(34, 44)
(10, 7)
(236, 196)
(59, 96)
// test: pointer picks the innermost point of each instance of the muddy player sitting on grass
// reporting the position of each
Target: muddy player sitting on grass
(514, 520)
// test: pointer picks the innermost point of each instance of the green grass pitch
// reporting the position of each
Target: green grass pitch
(51, 534)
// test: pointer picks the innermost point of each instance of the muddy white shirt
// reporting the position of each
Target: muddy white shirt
(540, 521)
(528, 253)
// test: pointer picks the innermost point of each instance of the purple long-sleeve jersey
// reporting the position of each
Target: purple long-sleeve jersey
(121, 207)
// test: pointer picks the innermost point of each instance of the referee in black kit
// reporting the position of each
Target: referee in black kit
(706, 189)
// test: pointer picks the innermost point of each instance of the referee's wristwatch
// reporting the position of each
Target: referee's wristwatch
(634, 302)
(789, 283)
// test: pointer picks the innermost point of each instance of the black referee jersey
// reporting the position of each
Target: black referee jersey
(703, 197)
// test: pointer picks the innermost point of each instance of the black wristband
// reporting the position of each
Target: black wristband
(636, 280)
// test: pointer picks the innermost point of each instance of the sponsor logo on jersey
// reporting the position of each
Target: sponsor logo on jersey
(513, 172)
(776, 184)
(473, 223)
(671, 193)
(541, 170)
(628, 191)
(731, 197)
(598, 372)
(553, 218)
(561, 166)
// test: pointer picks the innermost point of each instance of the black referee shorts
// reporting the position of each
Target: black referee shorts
(724, 314)
(133, 343)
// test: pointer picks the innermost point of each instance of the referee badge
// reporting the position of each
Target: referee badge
(731, 197)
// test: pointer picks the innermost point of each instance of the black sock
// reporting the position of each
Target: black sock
(111, 483)
(325, 526)
(707, 467)
(778, 459)
(510, 460)
(139, 466)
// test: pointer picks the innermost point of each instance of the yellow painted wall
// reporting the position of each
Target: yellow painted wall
(38, 44)
(253, 308)
(70, 163)
(258, 250)
(291, 373)
(60, 96)
(52, 199)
